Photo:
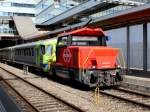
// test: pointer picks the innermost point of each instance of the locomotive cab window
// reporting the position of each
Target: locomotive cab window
(88, 41)
(63, 41)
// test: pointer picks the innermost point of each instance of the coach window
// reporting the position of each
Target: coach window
(32, 51)
(49, 50)
(42, 50)
(16, 52)
(24, 52)
(28, 52)
(19, 52)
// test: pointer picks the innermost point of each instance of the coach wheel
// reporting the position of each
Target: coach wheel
(53, 72)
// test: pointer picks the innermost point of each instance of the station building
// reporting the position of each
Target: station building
(9, 9)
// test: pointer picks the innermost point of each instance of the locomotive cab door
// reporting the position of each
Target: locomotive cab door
(62, 68)
(40, 51)
(62, 43)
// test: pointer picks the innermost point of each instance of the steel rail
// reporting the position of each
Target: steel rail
(133, 92)
(126, 99)
(2, 79)
(61, 100)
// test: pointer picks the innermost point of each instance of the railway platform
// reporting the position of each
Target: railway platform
(6, 102)
(137, 83)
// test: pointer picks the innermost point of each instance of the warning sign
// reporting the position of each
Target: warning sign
(67, 55)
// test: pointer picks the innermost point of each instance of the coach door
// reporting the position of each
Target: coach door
(42, 52)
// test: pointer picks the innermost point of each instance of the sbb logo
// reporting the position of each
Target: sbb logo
(67, 55)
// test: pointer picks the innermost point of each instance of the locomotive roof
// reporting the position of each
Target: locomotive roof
(85, 32)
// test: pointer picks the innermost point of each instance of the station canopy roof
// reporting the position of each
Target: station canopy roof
(86, 32)
(25, 27)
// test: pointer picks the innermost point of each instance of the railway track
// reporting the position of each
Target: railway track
(129, 96)
(85, 100)
(37, 98)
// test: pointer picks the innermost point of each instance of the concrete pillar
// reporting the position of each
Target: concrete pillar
(128, 48)
(145, 46)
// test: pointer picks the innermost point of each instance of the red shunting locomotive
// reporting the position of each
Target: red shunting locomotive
(83, 55)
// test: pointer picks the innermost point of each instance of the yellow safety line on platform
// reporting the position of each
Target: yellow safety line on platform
(97, 96)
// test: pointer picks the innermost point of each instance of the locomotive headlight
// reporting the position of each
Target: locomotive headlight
(118, 66)
(113, 73)
(93, 67)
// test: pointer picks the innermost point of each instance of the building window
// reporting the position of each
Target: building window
(23, 14)
(23, 5)
(118, 40)
(136, 46)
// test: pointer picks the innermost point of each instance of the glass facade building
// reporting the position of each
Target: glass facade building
(10, 8)
(47, 9)
(5, 28)
(17, 8)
